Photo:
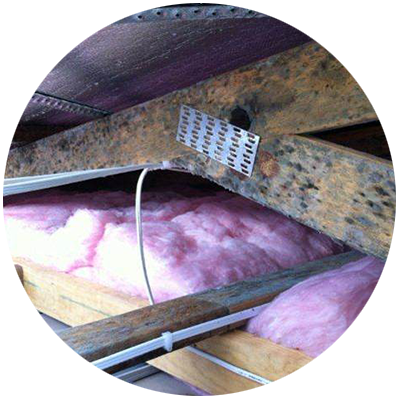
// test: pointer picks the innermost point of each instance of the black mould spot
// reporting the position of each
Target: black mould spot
(388, 204)
(64, 145)
(349, 220)
(381, 191)
(310, 185)
(298, 167)
(289, 149)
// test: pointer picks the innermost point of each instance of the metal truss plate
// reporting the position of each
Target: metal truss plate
(223, 142)
(134, 13)
(57, 103)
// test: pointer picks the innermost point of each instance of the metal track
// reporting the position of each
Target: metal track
(136, 13)
(58, 103)
(39, 182)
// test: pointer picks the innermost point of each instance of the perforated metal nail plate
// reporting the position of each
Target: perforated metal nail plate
(223, 142)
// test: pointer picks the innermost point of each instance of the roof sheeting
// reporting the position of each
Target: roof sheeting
(128, 63)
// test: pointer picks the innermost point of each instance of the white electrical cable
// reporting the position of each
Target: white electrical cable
(228, 366)
(139, 231)
(168, 337)
(174, 337)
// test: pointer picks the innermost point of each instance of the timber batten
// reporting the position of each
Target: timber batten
(346, 194)
(257, 355)
(298, 371)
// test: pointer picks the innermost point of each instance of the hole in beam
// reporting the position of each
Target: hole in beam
(240, 118)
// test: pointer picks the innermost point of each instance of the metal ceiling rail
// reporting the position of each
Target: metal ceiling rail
(58, 103)
(39, 182)
(136, 13)
(167, 339)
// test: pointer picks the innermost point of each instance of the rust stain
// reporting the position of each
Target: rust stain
(268, 164)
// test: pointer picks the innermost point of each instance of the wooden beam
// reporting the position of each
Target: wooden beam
(260, 356)
(348, 195)
(76, 301)
(19, 286)
(102, 338)
(70, 299)
(302, 90)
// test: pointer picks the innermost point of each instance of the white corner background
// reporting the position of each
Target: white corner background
(7, 126)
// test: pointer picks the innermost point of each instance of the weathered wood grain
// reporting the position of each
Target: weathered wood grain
(19, 286)
(108, 336)
(69, 299)
(260, 356)
(302, 90)
(348, 195)
(257, 291)
(102, 338)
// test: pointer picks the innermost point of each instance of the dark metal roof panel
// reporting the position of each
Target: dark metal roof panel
(129, 63)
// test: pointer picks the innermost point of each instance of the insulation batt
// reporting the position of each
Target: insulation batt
(193, 241)
(313, 314)
(374, 360)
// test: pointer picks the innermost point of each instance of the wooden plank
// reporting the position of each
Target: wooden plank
(260, 356)
(69, 299)
(348, 195)
(301, 90)
(76, 301)
(257, 291)
(19, 286)
(108, 336)
(102, 338)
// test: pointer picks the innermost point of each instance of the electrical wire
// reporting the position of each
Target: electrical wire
(139, 231)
